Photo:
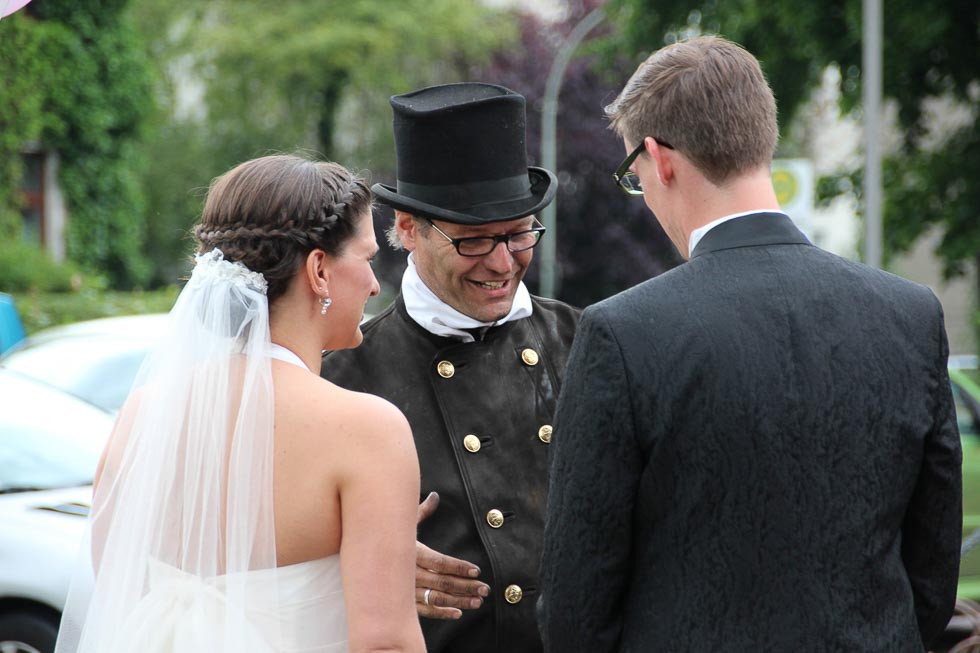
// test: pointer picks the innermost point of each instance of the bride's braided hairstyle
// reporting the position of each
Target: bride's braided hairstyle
(270, 213)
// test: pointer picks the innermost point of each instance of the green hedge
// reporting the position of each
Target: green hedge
(39, 310)
(75, 80)
(25, 267)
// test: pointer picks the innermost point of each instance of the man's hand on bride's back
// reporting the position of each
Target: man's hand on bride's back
(444, 586)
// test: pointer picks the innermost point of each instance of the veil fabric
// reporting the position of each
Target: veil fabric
(184, 506)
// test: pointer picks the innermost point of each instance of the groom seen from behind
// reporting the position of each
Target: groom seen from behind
(758, 449)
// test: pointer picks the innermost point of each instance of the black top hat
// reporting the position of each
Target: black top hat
(461, 157)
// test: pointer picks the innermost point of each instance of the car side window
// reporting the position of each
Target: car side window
(967, 412)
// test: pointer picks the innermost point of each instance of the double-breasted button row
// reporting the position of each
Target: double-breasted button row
(447, 370)
(473, 443)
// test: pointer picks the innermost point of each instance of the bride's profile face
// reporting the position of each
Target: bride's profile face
(352, 283)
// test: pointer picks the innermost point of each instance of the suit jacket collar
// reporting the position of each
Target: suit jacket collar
(751, 231)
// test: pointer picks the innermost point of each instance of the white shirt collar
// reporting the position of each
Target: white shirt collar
(438, 317)
(699, 233)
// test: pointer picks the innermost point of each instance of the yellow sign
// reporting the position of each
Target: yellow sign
(794, 182)
(786, 185)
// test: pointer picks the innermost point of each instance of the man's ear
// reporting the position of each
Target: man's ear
(318, 272)
(408, 230)
(663, 158)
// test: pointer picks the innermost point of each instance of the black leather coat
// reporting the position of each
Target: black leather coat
(481, 416)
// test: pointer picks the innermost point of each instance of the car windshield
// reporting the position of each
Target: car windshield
(98, 369)
(47, 439)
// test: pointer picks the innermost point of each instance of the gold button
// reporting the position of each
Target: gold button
(445, 369)
(544, 433)
(513, 594)
(495, 518)
(472, 443)
(529, 356)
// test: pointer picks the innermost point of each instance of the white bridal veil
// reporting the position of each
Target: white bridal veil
(184, 508)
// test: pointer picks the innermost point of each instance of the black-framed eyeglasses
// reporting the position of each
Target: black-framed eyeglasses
(483, 245)
(626, 178)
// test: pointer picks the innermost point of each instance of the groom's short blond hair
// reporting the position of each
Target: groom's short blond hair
(708, 98)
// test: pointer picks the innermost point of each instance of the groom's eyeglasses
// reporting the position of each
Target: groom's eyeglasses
(626, 178)
(483, 245)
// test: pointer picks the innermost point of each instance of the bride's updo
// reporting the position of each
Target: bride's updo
(269, 213)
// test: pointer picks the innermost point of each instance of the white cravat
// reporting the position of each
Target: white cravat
(699, 233)
(438, 317)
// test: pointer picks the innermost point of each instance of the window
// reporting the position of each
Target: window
(32, 188)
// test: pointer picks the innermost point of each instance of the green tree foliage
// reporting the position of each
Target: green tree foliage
(597, 224)
(297, 75)
(75, 81)
(289, 67)
(931, 49)
(21, 115)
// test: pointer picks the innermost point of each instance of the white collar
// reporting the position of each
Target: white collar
(285, 355)
(699, 233)
(438, 317)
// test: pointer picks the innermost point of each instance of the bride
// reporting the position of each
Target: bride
(242, 502)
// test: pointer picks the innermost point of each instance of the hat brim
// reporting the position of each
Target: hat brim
(544, 185)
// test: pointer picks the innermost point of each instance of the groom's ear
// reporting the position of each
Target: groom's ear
(317, 272)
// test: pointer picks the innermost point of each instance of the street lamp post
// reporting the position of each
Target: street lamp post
(549, 114)
(871, 88)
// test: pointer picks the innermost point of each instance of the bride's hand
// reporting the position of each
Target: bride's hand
(444, 586)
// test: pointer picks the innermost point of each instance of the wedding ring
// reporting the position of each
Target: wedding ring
(425, 597)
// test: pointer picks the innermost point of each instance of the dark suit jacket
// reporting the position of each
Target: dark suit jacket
(756, 451)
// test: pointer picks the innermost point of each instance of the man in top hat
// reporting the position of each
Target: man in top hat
(472, 359)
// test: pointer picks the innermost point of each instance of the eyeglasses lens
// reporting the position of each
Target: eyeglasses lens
(515, 242)
(631, 183)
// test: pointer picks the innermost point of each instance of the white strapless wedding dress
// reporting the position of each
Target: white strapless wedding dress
(294, 609)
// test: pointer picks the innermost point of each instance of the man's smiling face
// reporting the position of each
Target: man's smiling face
(482, 287)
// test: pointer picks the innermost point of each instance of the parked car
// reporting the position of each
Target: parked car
(50, 443)
(965, 380)
(11, 330)
(95, 360)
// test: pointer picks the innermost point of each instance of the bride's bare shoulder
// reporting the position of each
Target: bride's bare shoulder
(359, 406)
(371, 431)
(336, 412)
(359, 442)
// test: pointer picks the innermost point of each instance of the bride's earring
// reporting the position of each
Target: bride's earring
(324, 304)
